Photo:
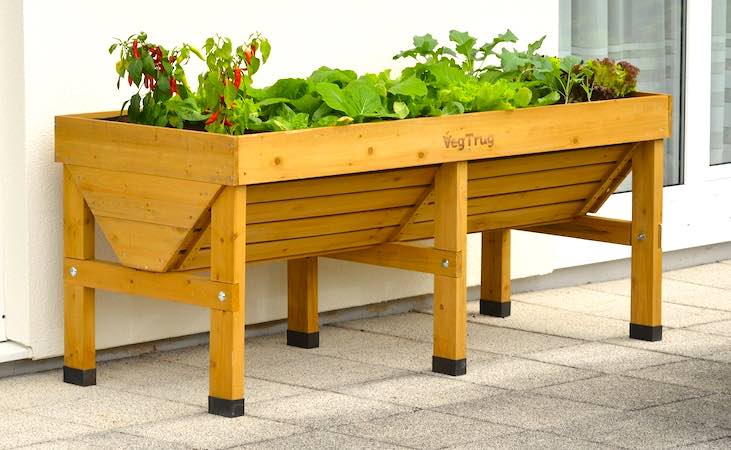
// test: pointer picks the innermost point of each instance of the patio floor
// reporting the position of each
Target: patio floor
(559, 373)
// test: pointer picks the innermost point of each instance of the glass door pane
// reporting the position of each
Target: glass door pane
(721, 83)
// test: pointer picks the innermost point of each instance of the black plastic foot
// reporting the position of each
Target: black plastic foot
(494, 309)
(454, 367)
(645, 332)
(225, 408)
(303, 340)
(79, 377)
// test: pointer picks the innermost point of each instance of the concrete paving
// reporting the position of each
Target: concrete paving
(559, 373)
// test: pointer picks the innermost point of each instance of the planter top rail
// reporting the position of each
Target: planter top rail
(84, 140)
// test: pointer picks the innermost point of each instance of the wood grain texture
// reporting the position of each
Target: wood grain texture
(302, 295)
(495, 270)
(611, 183)
(408, 257)
(614, 231)
(450, 293)
(647, 181)
(78, 301)
(228, 264)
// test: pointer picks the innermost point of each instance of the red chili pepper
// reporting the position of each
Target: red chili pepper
(237, 77)
(227, 123)
(247, 55)
(135, 50)
(171, 59)
(173, 86)
(212, 119)
(253, 48)
(129, 78)
(147, 81)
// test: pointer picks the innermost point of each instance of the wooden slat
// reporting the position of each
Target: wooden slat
(192, 242)
(267, 157)
(344, 184)
(182, 288)
(516, 200)
(554, 160)
(333, 204)
(167, 152)
(407, 257)
(228, 264)
(143, 198)
(539, 180)
(315, 226)
(302, 295)
(601, 229)
(143, 245)
(647, 181)
(610, 184)
(502, 219)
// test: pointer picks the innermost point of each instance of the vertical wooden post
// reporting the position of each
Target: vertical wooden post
(228, 264)
(303, 328)
(495, 286)
(647, 182)
(79, 359)
(450, 293)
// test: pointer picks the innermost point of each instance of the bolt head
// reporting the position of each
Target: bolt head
(221, 296)
(641, 237)
(73, 271)
(445, 263)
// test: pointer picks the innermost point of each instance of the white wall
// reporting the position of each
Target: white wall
(68, 70)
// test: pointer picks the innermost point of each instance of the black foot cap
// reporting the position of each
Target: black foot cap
(79, 377)
(225, 408)
(449, 366)
(303, 340)
(645, 332)
(494, 309)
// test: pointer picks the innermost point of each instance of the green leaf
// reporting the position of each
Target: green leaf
(522, 97)
(533, 46)
(411, 86)
(358, 99)
(148, 65)
(187, 109)
(112, 48)
(452, 108)
(425, 43)
(229, 94)
(401, 110)
(135, 71)
(328, 75)
(266, 49)
(290, 88)
(133, 113)
(465, 42)
(549, 99)
(446, 74)
(196, 52)
(568, 62)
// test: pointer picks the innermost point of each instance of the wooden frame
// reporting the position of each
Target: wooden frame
(172, 202)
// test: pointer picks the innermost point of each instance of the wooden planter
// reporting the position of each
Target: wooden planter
(172, 202)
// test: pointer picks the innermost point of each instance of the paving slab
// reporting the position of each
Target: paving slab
(580, 299)
(107, 408)
(707, 375)
(323, 409)
(639, 430)
(322, 440)
(420, 390)
(18, 428)
(525, 410)
(711, 410)
(620, 392)
(521, 374)
(715, 444)
(117, 440)
(722, 328)
(603, 357)
(532, 440)
(714, 275)
(552, 321)
(427, 429)
(37, 389)
(683, 342)
(209, 431)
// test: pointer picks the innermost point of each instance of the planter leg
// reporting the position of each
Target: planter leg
(228, 264)
(495, 286)
(79, 360)
(303, 329)
(647, 181)
(450, 293)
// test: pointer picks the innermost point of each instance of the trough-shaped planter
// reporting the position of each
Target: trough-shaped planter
(173, 201)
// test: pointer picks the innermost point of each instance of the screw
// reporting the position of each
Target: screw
(445, 263)
(221, 296)
(73, 272)
(641, 236)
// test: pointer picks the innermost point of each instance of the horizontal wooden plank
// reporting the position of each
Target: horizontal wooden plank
(183, 288)
(143, 198)
(515, 200)
(502, 219)
(555, 160)
(343, 184)
(169, 152)
(538, 180)
(299, 154)
(407, 257)
(332, 204)
(315, 226)
(593, 228)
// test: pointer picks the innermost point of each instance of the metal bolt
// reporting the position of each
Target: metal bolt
(445, 263)
(73, 272)
(641, 236)
(221, 296)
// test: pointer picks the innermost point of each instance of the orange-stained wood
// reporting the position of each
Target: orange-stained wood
(302, 295)
(495, 271)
